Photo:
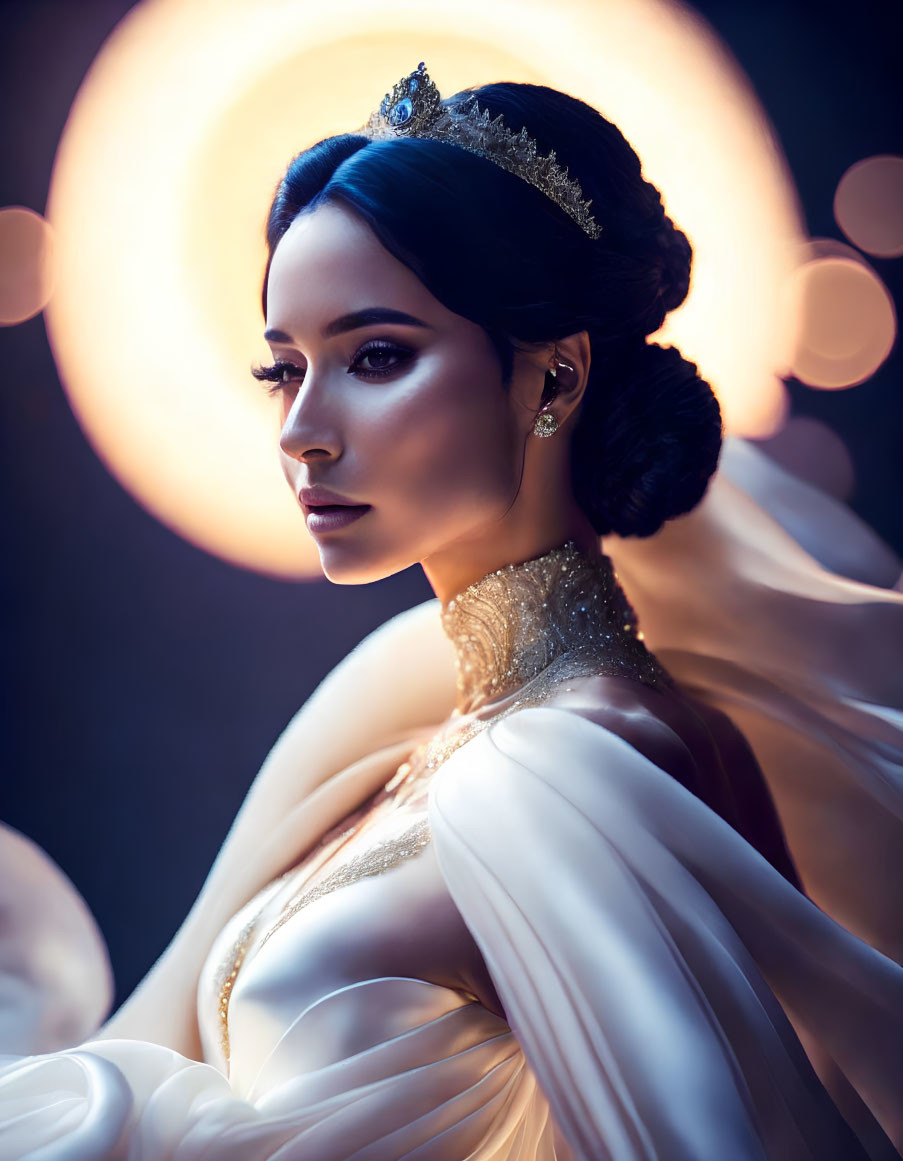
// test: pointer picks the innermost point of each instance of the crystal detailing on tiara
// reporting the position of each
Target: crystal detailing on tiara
(413, 109)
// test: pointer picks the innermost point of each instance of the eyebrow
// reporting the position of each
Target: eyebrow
(353, 321)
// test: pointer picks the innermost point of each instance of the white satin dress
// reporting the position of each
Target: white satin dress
(648, 986)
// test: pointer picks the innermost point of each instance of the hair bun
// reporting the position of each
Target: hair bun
(677, 257)
(647, 442)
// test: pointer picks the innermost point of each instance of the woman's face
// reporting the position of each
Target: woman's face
(409, 419)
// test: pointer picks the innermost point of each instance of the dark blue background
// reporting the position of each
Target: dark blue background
(140, 670)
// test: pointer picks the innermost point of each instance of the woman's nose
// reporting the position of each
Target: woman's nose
(309, 432)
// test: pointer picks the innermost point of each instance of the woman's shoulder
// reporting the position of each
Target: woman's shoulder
(666, 727)
(594, 732)
(691, 740)
(562, 750)
(580, 726)
(695, 743)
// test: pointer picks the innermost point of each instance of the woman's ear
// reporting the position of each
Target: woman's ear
(535, 388)
(570, 362)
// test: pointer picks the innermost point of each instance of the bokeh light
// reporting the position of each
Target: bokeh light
(847, 321)
(185, 123)
(26, 264)
(868, 205)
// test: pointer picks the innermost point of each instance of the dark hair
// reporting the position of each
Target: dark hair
(497, 251)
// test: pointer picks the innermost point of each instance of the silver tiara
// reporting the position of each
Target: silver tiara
(414, 109)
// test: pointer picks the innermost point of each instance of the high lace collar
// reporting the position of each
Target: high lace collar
(526, 619)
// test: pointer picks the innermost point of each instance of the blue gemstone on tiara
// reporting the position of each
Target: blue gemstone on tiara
(401, 112)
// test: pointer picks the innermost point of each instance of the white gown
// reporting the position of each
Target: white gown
(658, 978)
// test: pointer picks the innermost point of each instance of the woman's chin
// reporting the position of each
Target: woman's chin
(351, 564)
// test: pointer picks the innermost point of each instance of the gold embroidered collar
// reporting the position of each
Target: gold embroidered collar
(517, 622)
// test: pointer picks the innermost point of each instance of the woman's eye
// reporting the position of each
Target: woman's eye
(371, 362)
(376, 353)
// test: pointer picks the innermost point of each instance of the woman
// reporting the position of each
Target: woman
(506, 888)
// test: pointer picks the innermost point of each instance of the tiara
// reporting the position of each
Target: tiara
(414, 109)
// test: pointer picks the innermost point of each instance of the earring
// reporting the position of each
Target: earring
(546, 424)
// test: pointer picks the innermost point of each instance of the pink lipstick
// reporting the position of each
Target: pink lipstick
(331, 517)
(327, 511)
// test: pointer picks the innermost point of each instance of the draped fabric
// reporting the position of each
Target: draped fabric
(662, 1029)
(666, 992)
(807, 663)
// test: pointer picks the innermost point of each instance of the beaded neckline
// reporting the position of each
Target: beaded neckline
(518, 621)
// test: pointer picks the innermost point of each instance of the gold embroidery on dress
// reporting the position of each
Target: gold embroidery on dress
(225, 979)
(524, 629)
(373, 861)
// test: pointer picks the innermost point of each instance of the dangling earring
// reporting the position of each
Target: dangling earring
(545, 424)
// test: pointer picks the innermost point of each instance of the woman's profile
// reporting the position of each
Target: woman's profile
(593, 855)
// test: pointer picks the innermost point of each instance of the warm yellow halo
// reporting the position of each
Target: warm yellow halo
(184, 125)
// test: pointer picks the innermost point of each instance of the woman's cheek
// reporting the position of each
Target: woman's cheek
(443, 439)
(445, 452)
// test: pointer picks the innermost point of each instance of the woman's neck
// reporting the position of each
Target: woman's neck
(458, 565)
(562, 610)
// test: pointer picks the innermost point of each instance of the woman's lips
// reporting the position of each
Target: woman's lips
(330, 517)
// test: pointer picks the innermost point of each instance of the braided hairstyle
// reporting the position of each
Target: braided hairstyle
(495, 250)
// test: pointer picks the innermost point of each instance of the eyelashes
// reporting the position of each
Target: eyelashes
(281, 373)
(276, 374)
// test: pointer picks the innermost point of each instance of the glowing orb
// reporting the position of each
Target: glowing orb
(26, 264)
(187, 120)
(847, 322)
(868, 205)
